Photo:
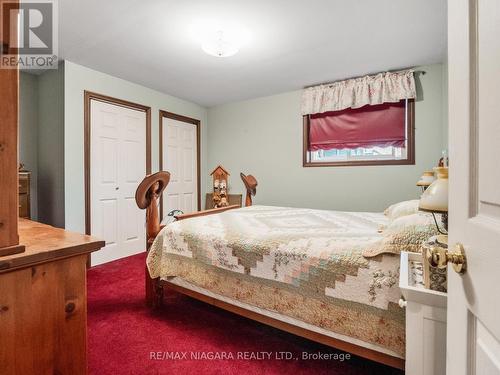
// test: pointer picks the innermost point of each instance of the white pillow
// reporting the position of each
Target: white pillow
(402, 209)
(419, 219)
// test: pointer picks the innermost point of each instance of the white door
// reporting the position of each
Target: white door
(473, 342)
(117, 166)
(180, 159)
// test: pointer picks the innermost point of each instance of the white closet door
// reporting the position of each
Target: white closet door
(117, 166)
(179, 158)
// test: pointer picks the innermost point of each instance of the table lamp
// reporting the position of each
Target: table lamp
(435, 198)
(426, 180)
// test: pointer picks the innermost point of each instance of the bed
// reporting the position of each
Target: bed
(301, 270)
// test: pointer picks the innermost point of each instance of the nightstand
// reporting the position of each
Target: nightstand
(24, 194)
(425, 320)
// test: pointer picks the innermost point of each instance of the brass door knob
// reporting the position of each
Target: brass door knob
(439, 257)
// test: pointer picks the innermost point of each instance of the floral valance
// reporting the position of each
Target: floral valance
(354, 93)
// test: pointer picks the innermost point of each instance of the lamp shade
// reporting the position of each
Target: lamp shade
(426, 179)
(435, 198)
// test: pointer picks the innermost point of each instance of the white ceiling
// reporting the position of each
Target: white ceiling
(294, 43)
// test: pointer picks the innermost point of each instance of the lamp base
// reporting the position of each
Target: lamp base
(444, 221)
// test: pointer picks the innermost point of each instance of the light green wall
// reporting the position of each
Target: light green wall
(41, 137)
(28, 132)
(261, 136)
(77, 80)
(51, 208)
(264, 137)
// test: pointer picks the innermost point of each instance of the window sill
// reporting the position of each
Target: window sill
(354, 163)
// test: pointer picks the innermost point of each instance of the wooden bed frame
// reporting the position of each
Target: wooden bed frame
(155, 289)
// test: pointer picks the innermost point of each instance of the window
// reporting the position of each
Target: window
(371, 135)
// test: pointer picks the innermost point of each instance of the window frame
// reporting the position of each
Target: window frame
(410, 154)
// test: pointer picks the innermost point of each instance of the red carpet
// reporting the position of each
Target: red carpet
(122, 334)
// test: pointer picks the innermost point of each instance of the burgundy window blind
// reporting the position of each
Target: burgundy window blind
(372, 125)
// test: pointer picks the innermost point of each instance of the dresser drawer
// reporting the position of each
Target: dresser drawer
(24, 206)
(23, 185)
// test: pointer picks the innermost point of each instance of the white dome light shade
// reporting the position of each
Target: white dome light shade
(220, 45)
(220, 39)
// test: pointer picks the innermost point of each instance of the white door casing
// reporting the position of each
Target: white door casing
(180, 159)
(473, 338)
(117, 166)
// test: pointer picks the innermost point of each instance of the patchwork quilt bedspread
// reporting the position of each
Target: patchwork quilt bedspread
(303, 263)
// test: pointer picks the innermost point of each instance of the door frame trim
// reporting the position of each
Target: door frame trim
(88, 97)
(173, 116)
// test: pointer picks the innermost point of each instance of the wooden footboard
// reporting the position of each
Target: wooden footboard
(147, 196)
(206, 212)
(154, 288)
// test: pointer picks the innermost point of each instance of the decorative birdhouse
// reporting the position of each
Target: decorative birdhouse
(220, 195)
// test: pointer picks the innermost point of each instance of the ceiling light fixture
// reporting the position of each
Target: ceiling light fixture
(220, 38)
(220, 44)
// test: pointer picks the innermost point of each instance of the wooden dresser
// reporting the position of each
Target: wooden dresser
(24, 194)
(43, 302)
